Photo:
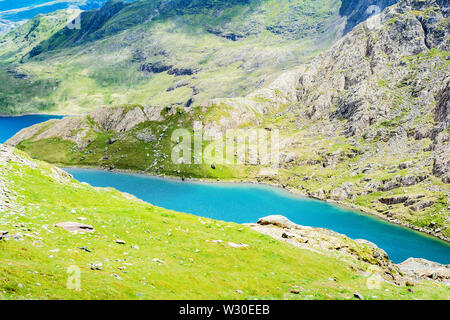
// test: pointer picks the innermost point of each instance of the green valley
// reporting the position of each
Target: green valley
(161, 53)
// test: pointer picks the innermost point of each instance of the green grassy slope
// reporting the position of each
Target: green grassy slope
(35, 261)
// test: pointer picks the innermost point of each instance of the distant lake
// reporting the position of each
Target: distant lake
(9, 126)
(243, 203)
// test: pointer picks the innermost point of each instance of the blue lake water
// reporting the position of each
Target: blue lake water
(17, 10)
(9, 126)
(247, 203)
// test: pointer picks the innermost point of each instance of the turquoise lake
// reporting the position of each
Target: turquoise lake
(247, 203)
(244, 203)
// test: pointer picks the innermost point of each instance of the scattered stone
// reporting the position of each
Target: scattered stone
(423, 269)
(276, 220)
(289, 158)
(215, 241)
(3, 234)
(405, 165)
(158, 261)
(287, 235)
(120, 241)
(85, 249)
(422, 205)
(117, 276)
(237, 245)
(359, 296)
(75, 227)
(343, 192)
(97, 266)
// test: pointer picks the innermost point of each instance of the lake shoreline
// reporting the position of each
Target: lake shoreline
(34, 114)
(291, 191)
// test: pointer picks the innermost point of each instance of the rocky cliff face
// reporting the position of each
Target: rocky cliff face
(365, 123)
(153, 52)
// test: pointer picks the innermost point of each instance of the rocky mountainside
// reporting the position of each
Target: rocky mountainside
(167, 53)
(364, 124)
(53, 229)
(17, 12)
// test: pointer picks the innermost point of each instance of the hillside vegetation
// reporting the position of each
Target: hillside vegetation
(164, 53)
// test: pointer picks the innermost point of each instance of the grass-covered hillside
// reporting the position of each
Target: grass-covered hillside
(163, 52)
(138, 251)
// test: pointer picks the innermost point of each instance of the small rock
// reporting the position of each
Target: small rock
(422, 205)
(289, 158)
(117, 276)
(276, 220)
(405, 165)
(120, 241)
(357, 295)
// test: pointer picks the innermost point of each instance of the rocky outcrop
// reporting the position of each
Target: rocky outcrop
(423, 269)
(356, 11)
(343, 192)
(119, 119)
(442, 112)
